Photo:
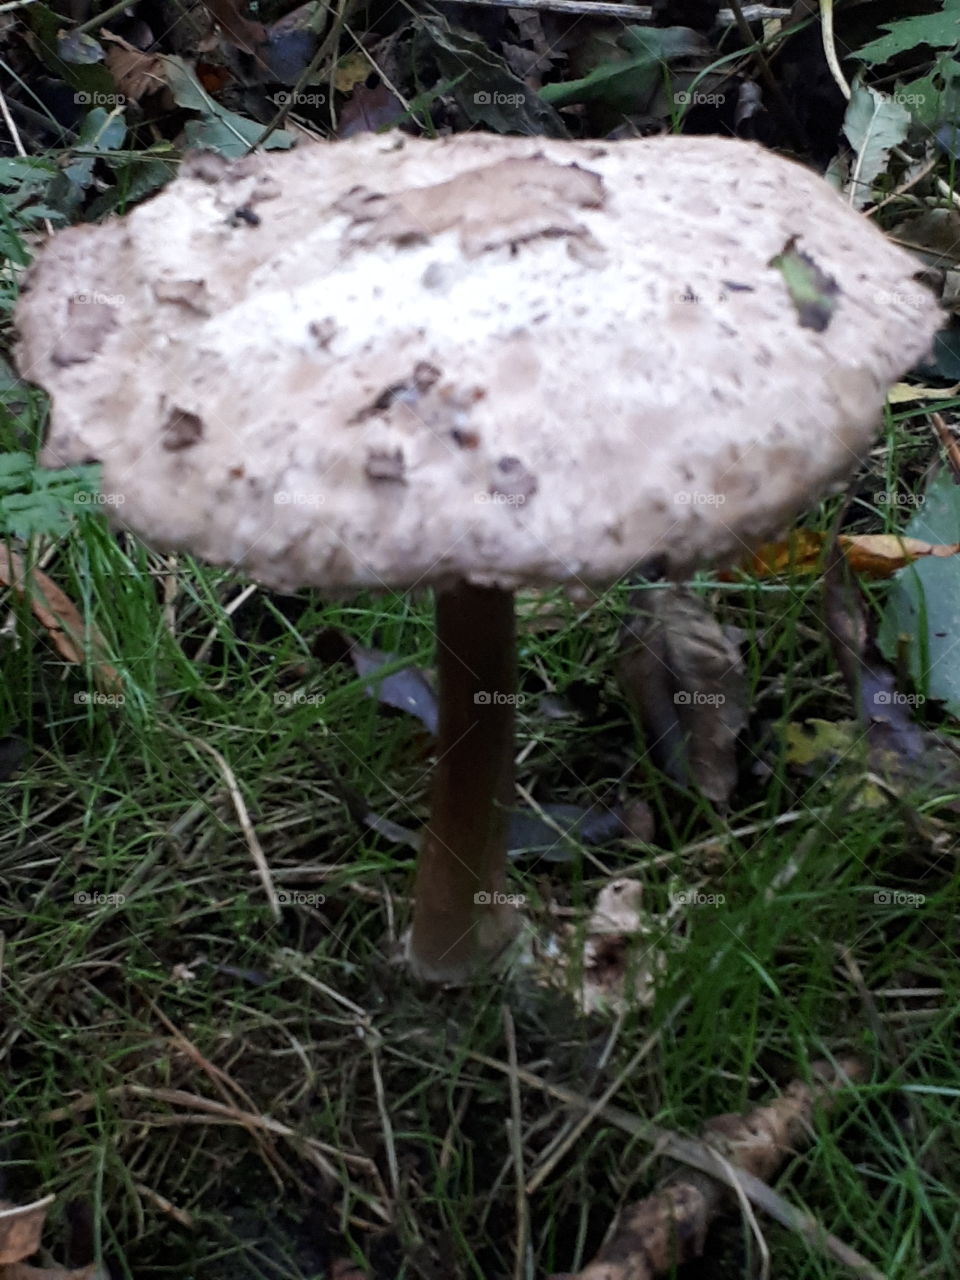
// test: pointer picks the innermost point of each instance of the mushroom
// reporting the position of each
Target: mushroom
(478, 363)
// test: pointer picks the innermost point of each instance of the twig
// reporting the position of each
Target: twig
(228, 610)
(372, 1040)
(14, 132)
(181, 1216)
(516, 1150)
(636, 12)
(327, 45)
(246, 826)
(701, 1156)
(596, 1108)
(830, 47)
(769, 79)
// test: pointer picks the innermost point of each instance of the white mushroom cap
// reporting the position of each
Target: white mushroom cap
(392, 361)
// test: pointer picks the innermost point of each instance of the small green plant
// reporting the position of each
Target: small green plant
(934, 97)
(36, 500)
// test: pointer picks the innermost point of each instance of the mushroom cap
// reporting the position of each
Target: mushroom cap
(393, 361)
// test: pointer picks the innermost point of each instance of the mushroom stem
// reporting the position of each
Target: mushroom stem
(460, 921)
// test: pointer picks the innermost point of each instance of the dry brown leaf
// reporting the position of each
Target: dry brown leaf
(622, 953)
(683, 674)
(135, 73)
(880, 555)
(61, 619)
(903, 393)
(876, 555)
(21, 1226)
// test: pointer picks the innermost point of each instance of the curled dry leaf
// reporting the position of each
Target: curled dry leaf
(683, 674)
(622, 954)
(407, 689)
(21, 1227)
(59, 616)
(875, 555)
(135, 73)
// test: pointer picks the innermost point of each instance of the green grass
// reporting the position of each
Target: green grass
(395, 1142)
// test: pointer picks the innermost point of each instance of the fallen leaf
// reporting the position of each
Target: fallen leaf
(876, 555)
(485, 89)
(874, 124)
(922, 610)
(57, 613)
(21, 1226)
(351, 70)
(217, 129)
(368, 110)
(406, 690)
(79, 48)
(683, 675)
(883, 554)
(619, 959)
(564, 828)
(812, 292)
(904, 393)
(135, 73)
(628, 78)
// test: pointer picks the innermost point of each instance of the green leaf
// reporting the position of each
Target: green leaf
(939, 30)
(15, 471)
(485, 89)
(79, 48)
(92, 79)
(136, 177)
(219, 129)
(812, 291)
(102, 130)
(629, 82)
(923, 606)
(936, 96)
(40, 500)
(874, 124)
